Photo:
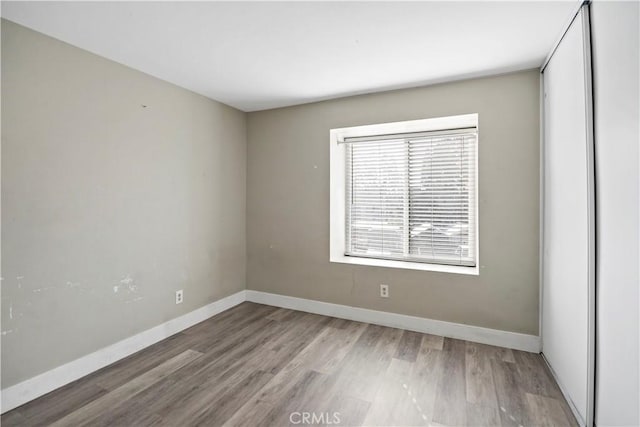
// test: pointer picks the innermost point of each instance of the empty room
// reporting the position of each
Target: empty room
(334, 213)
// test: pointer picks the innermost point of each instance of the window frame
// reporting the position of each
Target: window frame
(338, 196)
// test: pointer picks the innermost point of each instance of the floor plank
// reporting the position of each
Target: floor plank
(479, 376)
(433, 341)
(363, 367)
(450, 407)
(395, 402)
(61, 402)
(262, 366)
(409, 346)
(509, 393)
(482, 415)
(545, 411)
(85, 414)
(425, 376)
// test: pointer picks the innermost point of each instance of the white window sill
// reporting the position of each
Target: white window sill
(455, 269)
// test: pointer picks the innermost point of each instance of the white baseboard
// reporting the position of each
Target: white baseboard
(23, 392)
(495, 337)
(19, 394)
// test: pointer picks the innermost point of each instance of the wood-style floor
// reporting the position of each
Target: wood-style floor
(256, 365)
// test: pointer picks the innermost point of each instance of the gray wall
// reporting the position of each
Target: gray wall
(108, 207)
(615, 45)
(288, 205)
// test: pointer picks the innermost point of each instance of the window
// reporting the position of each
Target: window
(404, 194)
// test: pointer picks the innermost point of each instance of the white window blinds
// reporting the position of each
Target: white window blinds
(412, 197)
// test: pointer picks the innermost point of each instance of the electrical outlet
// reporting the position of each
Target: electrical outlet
(384, 291)
(179, 296)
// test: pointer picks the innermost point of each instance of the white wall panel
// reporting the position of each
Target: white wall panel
(616, 60)
(568, 219)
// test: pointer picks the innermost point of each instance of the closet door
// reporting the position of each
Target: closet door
(568, 220)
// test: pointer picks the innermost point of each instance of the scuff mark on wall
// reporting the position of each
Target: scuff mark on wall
(46, 288)
(127, 283)
(11, 311)
(7, 332)
(134, 300)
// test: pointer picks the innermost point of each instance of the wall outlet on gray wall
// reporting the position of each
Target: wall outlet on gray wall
(179, 296)
(384, 291)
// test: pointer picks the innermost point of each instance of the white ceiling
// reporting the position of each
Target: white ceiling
(260, 55)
